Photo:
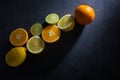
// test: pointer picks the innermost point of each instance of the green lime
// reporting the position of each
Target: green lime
(52, 18)
(66, 23)
(36, 29)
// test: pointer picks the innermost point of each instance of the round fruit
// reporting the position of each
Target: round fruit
(15, 56)
(51, 33)
(18, 37)
(35, 45)
(66, 23)
(36, 29)
(84, 14)
(52, 18)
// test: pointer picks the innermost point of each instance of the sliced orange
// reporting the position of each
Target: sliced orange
(18, 37)
(51, 33)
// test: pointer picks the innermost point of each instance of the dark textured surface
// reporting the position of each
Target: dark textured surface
(88, 53)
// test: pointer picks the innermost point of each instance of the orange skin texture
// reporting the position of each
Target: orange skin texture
(84, 14)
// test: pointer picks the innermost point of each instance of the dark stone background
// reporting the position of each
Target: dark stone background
(90, 52)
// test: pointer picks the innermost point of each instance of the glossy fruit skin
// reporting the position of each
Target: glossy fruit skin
(15, 56)
(84, 14)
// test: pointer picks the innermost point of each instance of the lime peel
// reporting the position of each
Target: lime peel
(36, 29)
(52, 18)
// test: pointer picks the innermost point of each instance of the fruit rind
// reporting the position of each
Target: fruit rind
(68, 27)
(35, 52)
(52, 18)
(16, 56)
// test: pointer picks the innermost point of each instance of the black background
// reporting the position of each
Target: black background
(85, 53)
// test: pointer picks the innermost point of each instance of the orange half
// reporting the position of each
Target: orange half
(51, 33)
(18, 37)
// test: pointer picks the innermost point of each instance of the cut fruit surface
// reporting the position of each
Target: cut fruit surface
(18, 37)
(36, 29)
(66, 23)
(52, 18)
(35, 45)
(51, 33)
(15, 56)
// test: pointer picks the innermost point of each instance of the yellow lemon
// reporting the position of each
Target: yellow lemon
(15, 56)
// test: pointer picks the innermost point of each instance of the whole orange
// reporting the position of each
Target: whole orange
(84, 14)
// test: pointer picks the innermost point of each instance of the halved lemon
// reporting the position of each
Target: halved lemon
(35, 45)
(66, 23)
(52, 18)
(15, 56)
(36, 29)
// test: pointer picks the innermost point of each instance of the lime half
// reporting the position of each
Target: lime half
(52, 18)
(36, 29)
(35, 45)
(66, 23)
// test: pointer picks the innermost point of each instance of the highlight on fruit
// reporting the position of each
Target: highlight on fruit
(40, 35)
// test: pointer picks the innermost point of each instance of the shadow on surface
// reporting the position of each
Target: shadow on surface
(40, 65)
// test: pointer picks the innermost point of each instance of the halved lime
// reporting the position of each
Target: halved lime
(35, 45)
(36, 29)
(66, 23)
(52, 18)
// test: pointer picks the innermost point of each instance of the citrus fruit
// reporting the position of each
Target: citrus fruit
(15, 56)
(66, 23)
(51, 33)
(84, 14)
(52, 18)
(35, 45)
(36, 29)
(18, 37)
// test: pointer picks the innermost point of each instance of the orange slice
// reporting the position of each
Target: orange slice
(51, 34)
(18, 37)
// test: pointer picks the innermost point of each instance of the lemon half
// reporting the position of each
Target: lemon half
(66, 23)
(35, 45)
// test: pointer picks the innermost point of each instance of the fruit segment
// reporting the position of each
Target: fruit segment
(51, 33)
(18, 37)
(66, 23)
(36, 29)
(52, 18)
(35, 45)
